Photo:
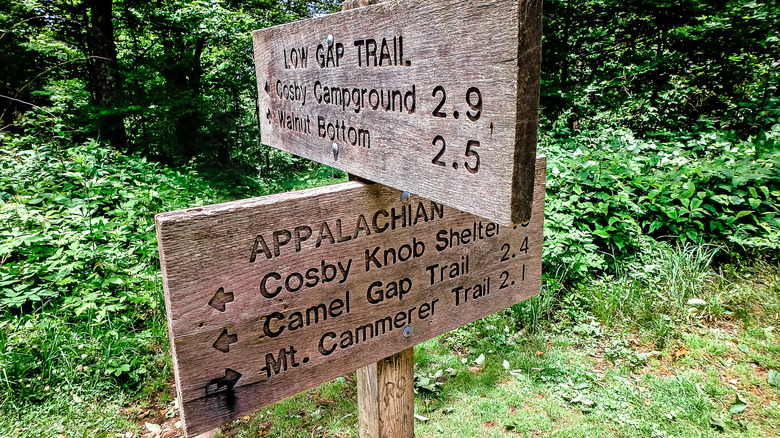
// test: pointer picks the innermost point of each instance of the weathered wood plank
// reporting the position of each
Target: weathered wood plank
(436, 97)
(270, 296)
(386, 397)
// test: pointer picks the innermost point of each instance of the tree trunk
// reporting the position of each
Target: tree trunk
(106, 82)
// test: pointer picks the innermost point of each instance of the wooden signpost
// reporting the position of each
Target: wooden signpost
(439, 97)
(270, 296)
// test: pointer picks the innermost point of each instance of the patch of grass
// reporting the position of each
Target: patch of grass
(326, 411)
(68, 415)
(752, 293)
(703, 345)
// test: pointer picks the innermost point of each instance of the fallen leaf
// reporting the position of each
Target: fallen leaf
(588, 402)
(679, 353)
(480, 359)
(717, 424)
(539, 353)
(581, 385)
(421, 418)
(737, 408)
(506, 364)
(151, 427)
(738, 405)
(696, 302)
(773, 378)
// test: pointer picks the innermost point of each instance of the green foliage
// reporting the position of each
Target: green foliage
(431, 382)
(607, 191)
(185, 84)
(620, 351)
(80, 289)
(75, 225)
(648, 65)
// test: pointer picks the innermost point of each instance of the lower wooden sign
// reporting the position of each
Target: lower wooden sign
(270, 296)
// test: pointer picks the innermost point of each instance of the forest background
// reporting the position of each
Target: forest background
(660, 119)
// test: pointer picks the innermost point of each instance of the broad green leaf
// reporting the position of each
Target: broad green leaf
(773, 378)
(717, 424)
(736, 408)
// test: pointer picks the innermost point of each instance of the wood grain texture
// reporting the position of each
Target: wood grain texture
(386, 397)
(368, 400)
(483, 55)
(270, 296)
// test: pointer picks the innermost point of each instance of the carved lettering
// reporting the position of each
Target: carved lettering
(330, 342)
(276, 322)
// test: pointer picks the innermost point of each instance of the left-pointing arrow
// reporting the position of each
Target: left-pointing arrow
(221, 298)
(224, 340)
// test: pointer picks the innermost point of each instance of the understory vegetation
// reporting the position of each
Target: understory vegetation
(660, 304)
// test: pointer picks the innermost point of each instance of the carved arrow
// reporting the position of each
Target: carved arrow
(221, 298)
(224, 340)
(223, 383)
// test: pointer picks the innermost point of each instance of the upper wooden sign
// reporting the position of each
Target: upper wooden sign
(270, 296)
(435, 97)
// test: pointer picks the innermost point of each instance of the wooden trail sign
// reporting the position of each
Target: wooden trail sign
(270, 296)
(436, 97)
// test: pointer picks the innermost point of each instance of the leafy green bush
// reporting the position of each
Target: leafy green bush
(608, 190)
(79, 282)
(77, 222)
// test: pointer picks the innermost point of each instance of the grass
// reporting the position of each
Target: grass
(553, 387)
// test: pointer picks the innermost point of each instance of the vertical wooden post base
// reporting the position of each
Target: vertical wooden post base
(386, 388)
(386, 397)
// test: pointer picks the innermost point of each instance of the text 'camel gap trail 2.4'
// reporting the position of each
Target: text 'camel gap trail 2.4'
(270, 296)
(436, 97)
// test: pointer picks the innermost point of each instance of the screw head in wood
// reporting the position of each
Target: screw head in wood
(335, 149)
(405, 196)
(330, 39)
(407, 331)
